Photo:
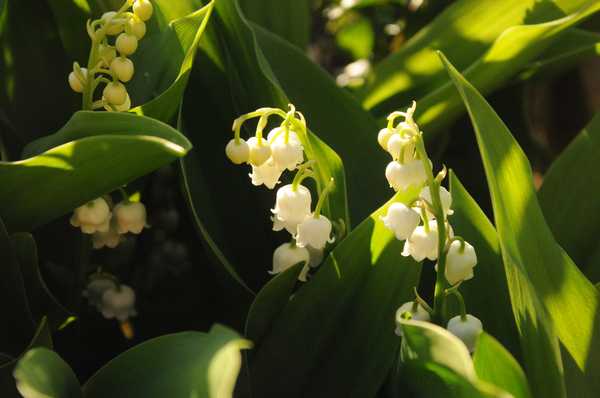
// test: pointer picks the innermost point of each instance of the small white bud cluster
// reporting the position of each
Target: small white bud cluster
(269, 157)
(111, 299)
(423, 224)
(129, 27)
(107, 226)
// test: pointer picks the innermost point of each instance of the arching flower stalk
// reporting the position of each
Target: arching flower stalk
(425, 226)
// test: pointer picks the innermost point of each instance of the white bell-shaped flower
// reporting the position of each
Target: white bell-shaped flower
(259, 153)
(267, 174)
(460, 263)
(237, 152)
(402, 176)
(278, 132)
(383, 137)
(401, 146)
(467, 330)
(95, 290)
(445, 197)
(314, 232)
(316, 256)
(118, 303)
(288, 255)
(422, 244)
(110, 238)
(420, 314)
(287, 155)
(130, 217)
(92, 217)
(401, 220)
(292, 205)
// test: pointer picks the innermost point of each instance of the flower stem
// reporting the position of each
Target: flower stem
(328, 188)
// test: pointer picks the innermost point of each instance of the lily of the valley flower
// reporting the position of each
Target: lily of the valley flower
(260, 151)
(460, 262)
(130, 217)
(126, 43)
(77, 81)
(383, 137)
(238, 152)
(288, 255)
(92, 217)
(286, 155)
(467, 329)
(267, 174)
(118, 303)
(115, 93)
(445, 197)
(110, 238)
(123, 68)
(402, 176)
(418, 314)
(143, 9)
(314, 232)
(402, 220)
(96, 289)
(401, 147)
(292, 205)
(422, 243)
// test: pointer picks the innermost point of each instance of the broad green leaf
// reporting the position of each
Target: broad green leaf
(233, 78)
(335, 336)
(494, 364)
(41, 301)
(570, 48)
(511, 51)
(42, 373)
(569, 199)
(338, 119)
(430, 351)
(188, 364)
(464, 31)
(527, 243)
(94, 153)
(41, 338)
(289, 19)
(487, 294)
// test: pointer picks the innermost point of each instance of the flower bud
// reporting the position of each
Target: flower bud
(115, 93)
(123, 68)
(259, 152)
(92, 217)
(288, 255)
(467, 330)
(143, 9)
(237, 152)
(460, 263)
(124, 107)
(76, 83)
(401, 220)
(137, 27)
(292, 204)
(383, 137)
(118, 303)
(114, 27)
(287, 155)
(402, 176)
(398, 145)
(445, 197)
(107, 54)
(420, 314)
(422, 244)
(126, 44)
(314, 232)
(266, 174)
(131, 217)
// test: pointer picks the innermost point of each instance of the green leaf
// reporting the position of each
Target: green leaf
(41, 301)
(494, 364)
(94, 153)
(188, 364)
(334, 114)
(289, 19)
(42, 373)
(335, 337)
(464, 31)
(568, 199)
(528, 245)
(511, 51)
(430, 353)
(486, 295)
(357, 37)
(234, 74)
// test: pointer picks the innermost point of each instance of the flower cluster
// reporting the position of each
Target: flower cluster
(107, 226)
(269, 158)
(423, 225)
(109, 63)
